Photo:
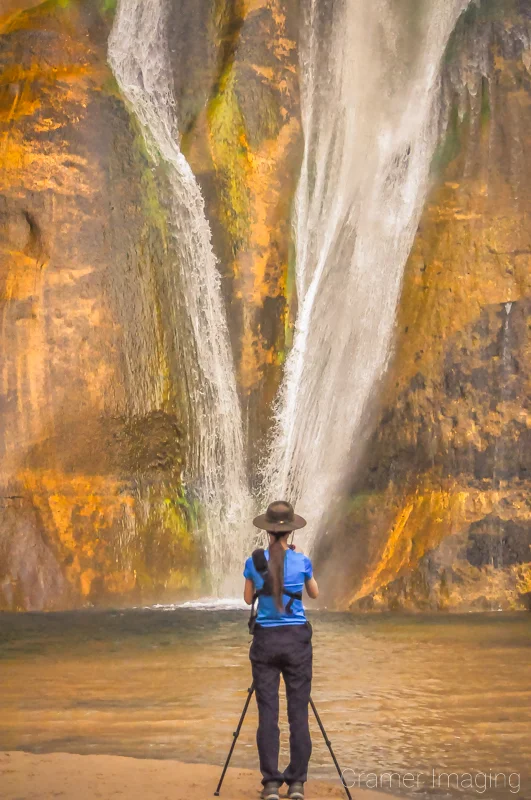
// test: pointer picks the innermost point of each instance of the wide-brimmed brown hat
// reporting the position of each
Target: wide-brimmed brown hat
(279, 517)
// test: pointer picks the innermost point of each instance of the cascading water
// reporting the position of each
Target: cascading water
(371, 114)
(371, 110)
(139, 57)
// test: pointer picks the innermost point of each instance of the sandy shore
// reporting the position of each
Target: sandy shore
(24, 776)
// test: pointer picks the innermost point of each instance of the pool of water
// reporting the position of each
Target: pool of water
(403, 698)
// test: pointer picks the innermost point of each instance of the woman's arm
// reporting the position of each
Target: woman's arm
(248, 591)
(312, 588)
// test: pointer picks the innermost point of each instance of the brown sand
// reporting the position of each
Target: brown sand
(24, 776)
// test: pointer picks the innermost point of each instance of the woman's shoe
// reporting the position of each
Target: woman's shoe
(296, 791)
(271, 791)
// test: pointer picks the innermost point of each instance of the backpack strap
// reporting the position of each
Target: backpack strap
(292, 596)
(260, 565)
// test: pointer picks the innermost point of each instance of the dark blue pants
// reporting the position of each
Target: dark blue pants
(285, 649)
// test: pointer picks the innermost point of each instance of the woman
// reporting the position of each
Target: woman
(281, 644)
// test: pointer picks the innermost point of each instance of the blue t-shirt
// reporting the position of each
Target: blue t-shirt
(297, 569)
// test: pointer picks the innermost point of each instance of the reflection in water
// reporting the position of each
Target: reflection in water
(401, 693)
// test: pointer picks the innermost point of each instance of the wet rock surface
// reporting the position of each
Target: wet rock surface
(94, 427)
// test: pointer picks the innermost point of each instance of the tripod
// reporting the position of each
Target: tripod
(236, 733)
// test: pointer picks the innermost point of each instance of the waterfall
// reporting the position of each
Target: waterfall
(371, 113)
(140, 59)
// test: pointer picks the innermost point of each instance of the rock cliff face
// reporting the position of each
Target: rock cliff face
(440, 513)
(91, 395)
(95, 430)
(92, 438)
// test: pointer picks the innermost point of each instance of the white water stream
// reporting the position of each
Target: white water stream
(371, 112)
(140, 59)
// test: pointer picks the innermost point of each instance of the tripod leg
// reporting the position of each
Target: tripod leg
(329, 745)
(235, 735)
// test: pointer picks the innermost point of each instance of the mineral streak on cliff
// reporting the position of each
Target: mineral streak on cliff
(242, 137)
(440, 516)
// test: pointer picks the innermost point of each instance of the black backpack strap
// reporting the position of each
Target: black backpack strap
(292, 596)
(261, 566)
(252, 616)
